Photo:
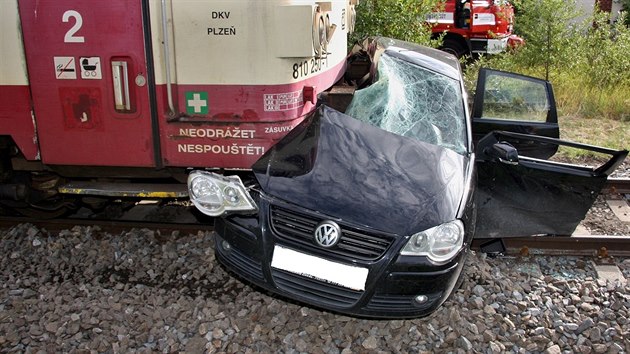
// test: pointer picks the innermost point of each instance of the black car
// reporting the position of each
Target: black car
(371, 212)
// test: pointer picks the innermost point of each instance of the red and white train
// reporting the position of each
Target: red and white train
(96, 91)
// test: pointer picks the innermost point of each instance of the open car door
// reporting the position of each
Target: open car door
(519, 192)
(516, 103)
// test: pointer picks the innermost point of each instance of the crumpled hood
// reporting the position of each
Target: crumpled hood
(347, 169)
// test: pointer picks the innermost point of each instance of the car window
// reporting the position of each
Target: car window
(415, 102)
(513, 98)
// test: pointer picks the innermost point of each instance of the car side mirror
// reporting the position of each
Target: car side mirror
(504, 152)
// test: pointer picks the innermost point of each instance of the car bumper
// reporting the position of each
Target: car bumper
(489, 46)
(496, 45)
(245, 245)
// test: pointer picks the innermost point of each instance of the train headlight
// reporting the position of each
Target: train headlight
(440, 244)
(215, 195)
(320, 33)
(352, 18)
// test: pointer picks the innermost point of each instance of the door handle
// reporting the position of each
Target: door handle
(120, 78)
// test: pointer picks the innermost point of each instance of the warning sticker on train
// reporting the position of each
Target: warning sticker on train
(65, 68)
(283, 101)
(90, 68)
(197, 102)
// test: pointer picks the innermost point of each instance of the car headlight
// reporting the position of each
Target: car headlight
(439, 244)
(215, 194)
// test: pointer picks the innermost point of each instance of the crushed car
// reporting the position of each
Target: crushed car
(370, 209)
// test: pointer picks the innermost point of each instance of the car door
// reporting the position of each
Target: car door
(520, 192)
(516, 103)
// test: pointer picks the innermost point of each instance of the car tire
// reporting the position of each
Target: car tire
(455, 47)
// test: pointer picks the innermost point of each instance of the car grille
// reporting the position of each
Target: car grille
(354, 243)
(314, 290)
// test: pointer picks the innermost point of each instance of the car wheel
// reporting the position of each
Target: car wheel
(454, 47)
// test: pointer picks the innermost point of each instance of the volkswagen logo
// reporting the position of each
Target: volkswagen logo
(327, 234)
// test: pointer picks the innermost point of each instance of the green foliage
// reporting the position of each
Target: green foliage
(400, 19)
(588, 63)
(544, 25)
(605, 52)
(625, 6)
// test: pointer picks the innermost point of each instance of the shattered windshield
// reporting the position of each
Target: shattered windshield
(414, 102)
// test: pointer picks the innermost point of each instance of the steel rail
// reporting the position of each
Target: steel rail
(598, 246)
(617, 185)
(105, 225)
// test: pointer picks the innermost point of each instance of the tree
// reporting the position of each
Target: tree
(400, 19)
(546, 27)
(625, 6)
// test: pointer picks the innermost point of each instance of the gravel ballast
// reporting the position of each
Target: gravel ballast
(86, 291)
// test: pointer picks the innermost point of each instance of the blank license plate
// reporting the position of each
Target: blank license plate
(314, 267)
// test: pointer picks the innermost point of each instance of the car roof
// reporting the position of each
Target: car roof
(429, 58)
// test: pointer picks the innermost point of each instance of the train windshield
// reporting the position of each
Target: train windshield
(412, 101)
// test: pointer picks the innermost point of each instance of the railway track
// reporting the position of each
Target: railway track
(182, 219)
(601, 246)
(617, 186)
(106, 225)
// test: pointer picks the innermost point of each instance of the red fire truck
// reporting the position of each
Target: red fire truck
(473, 26)
(145, 89)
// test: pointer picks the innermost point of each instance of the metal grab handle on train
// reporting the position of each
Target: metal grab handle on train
(167, 60)
(120, 78)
